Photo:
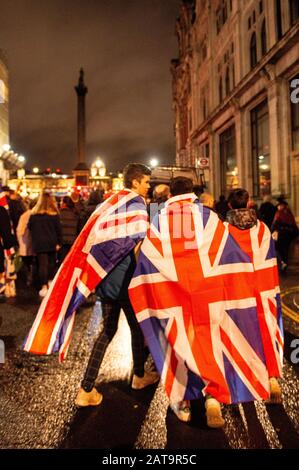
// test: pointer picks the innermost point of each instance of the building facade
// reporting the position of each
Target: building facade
(4, 122)
(236, 94)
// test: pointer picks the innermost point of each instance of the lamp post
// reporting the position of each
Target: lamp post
(154, 162)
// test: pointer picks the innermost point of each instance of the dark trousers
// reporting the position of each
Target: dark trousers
(111, 312)
(63, 252)
(283, 245)
(46, 266)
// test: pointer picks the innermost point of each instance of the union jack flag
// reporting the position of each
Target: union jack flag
(111, 232)
(206, 295)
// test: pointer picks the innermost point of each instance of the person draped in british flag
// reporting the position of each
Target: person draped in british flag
(103, 256)
(206, 295)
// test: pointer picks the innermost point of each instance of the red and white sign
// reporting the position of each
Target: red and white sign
(204, 162)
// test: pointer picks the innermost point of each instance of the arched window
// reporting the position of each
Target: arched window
(253, 53)
(220, 90)
(264, 38)
(294, 11)
(227, 88)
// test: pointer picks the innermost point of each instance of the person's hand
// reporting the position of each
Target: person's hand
(58, 247)
(275, 236)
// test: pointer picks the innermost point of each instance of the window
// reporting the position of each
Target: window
(295, 118)
(261, 6)
(278, 19)
(260, 150)
(227, 88)
(264, 38)
(190, 119)
(228, 162)
(220, 90)
(253, 17)
(204, 108)
(224, 12)
(294, 11)
(233, 75)
(253, 54)
(249, 23)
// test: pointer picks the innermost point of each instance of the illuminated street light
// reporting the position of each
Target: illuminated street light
(6, 147)
(98, 163)
(21, 158)
(35, 170)
(154, 162)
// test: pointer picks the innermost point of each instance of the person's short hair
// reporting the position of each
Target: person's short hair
(135, 171)
(181, 185)
(198, 190)
(68, 202)
(161, 192)
(238, 198)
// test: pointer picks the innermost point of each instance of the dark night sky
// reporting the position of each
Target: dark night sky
(125, 48)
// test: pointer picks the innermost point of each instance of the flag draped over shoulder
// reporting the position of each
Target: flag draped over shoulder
(206, 295)
(109, 235)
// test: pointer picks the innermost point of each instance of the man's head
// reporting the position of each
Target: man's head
(137, 178)
(161, 192)
(181, 185)
(198, 190)
(238, 198)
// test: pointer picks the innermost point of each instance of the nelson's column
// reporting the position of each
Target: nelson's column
(81, 171)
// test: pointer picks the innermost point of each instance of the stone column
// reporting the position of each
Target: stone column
(278, 133)
(81, 90)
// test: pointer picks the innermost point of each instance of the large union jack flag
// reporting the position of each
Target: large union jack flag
(111, 232)
(206, 295)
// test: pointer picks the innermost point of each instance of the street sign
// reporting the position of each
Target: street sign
(204, 162)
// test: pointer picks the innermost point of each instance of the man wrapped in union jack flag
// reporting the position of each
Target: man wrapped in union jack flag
(206, 295)
(102, 254)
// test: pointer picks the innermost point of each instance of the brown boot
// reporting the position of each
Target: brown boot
(275, 392)
(148, 378)
(213, 413)
(92, 398)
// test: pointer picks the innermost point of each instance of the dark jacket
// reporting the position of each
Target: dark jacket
(16, 209)
(46, 232)
(242, 218)
(267, 212)
(116, 283)
(7, 239)
(69, 225)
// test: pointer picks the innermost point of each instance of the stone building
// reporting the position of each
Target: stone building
(236, 94)
(10, 162)
(4, 126)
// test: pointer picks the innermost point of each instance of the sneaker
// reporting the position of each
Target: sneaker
(92, 398)
(213, 413)
(148, 378)
(275, 392)
(182, 409)
(43, 291)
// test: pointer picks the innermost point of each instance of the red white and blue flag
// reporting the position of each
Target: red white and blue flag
(111, 232)
(206, 295)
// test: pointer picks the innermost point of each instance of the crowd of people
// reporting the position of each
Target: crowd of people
(54, 230)
(38, 234)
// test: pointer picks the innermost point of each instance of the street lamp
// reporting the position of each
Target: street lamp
(98, 163)
(21, 158)
(6, 147)
(35, 170)
(154, 162)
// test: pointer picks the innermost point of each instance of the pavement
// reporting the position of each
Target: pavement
(37, 393)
